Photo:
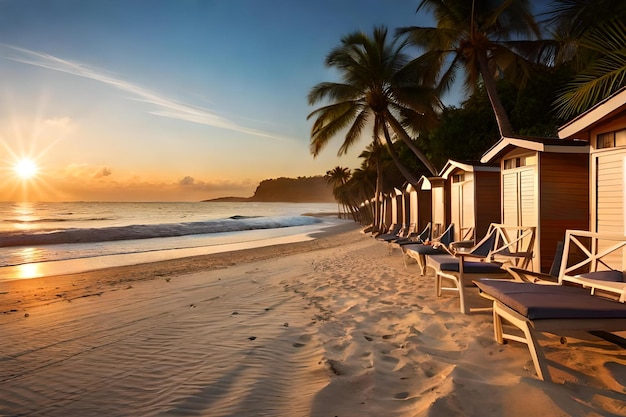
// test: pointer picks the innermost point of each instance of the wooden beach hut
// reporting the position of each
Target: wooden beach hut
(604, 128)
(440, 202)
(544, 183)
(420, 204)
(402, 213)
(474, 197)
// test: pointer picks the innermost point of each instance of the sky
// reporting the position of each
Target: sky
(177, 100)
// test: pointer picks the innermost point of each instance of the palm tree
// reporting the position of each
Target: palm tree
(338, 177)
(376, 90)
(592, 36)
(483, 38)
(361, 189)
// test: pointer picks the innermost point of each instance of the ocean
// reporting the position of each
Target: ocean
(41, 239)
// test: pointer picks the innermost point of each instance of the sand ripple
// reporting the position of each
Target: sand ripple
(210, 350)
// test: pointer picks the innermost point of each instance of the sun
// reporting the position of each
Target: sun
(26, 168)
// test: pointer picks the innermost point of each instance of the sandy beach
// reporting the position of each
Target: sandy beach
(335, 326)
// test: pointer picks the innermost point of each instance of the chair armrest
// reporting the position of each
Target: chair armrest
(529, 276)
(462, 244)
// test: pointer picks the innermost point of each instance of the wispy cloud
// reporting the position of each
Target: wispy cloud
(165, 107)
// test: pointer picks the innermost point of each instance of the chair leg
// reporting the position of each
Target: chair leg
(422, 263)
(461, 289)
(438, 284)
(529, 338)
(497, 327)
(537, 354)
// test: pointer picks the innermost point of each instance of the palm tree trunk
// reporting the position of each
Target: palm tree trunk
(504, 124)
(379, 190)
(396, 158)
(399, 130)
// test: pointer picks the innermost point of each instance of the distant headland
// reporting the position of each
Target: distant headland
(288, 190)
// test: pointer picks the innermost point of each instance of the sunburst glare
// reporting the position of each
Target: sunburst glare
(26, 168)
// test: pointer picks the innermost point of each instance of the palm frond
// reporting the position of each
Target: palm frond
(333, 92)
(603, 76)
(354, 133)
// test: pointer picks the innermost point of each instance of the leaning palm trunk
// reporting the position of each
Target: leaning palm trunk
(504, 125)
(399, 130)
(396, 158)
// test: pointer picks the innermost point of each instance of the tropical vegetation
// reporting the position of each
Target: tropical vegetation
(525, 72)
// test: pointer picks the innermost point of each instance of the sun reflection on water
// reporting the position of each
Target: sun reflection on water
(29, 268)
(26, 271)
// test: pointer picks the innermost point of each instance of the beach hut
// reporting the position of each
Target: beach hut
(604, 128)
(402, 215)
(420, 204)
(440, 199)
(544, 183)
(474, 197)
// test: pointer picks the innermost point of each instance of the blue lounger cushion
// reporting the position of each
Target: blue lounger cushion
(451, 264)
(537, 302)
(611, 275)
(423, 249)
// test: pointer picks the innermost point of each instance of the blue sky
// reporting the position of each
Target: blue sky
(169, 100)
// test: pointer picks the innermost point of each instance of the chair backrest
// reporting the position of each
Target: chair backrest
(586, 252)
(466, 233)
(409, 231)
(507, 244)
(394, 228)
(447, 236)
(486, 244)
(425, 234)
(514, 244)
(555, 268)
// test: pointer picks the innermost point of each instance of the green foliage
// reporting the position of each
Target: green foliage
(294, 190)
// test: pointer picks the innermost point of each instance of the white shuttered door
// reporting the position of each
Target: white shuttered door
(610, 192)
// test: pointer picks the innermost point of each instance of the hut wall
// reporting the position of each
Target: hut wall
(487, 201)
(440, 207)
(563, 200)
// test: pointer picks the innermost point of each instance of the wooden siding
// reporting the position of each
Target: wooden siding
(564, 200)
(486, 201)
(456, 208)
(609, 198)
(424, 209)
(609, 193)
(438, 206)
(510, 210)
(519, 201)
(414, 209)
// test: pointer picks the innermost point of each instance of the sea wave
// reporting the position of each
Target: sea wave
(147, 231)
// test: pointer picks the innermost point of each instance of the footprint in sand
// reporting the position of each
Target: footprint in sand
(303, 339)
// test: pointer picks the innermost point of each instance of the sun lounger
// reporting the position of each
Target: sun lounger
(393, 231)
(418, 251)
(456, 270)
(589, 295)
(534, 308)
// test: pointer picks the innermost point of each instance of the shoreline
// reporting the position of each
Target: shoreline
(33, 292)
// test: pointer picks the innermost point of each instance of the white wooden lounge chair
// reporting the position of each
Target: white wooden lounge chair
(502, 245)
(392, 232)
(418, 251)
(589, 296)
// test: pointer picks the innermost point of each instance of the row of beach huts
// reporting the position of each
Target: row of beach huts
(575, 181)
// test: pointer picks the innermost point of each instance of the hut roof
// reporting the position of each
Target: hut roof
(468, 166)
(539, 144)
(604, 109)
